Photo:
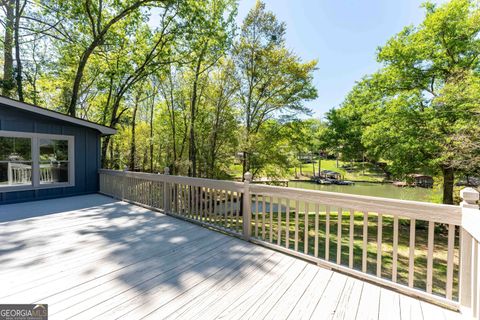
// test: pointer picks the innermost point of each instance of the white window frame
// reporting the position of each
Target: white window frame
(35, 154)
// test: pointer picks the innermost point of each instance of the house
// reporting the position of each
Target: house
(46, 154)
(330, 174)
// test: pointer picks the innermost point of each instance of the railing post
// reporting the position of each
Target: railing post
(166, 192)
(246, 206)
(124, 183)
(470, 197)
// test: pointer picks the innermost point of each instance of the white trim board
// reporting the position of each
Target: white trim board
(56, 115)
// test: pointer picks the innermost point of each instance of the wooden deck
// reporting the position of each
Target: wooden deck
(93, 257)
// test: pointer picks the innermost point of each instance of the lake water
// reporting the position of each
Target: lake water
(375, 190)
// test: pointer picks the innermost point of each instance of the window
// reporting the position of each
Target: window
(15, 161)
(33, 160)
(53, 161)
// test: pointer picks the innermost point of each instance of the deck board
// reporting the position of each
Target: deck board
(94, 257)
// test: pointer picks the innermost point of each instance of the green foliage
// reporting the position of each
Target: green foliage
(272, 80)
(419, 111)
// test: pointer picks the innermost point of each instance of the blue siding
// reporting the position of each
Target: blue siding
(87, 153)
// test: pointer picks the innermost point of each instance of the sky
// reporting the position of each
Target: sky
(343, 35)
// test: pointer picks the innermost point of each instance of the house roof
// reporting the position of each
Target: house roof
(419, 175)
(104, 130)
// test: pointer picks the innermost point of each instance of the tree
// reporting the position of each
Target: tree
(98, 18)
(420, 104)
(302, 138)
(151, 52)
(272, 80)
(208, 41)
(8, 43)
(425, 61)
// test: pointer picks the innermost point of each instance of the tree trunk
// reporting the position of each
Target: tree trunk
(448, 181)
(117, 162)
(18, 59)
(105, 144)
(319, 165)
(301, 165)
(133, 147)
(213, 144)
(313, 165)
(191, 148)
(151, 136)
(8, 81)
(72, 107)
(245, 164)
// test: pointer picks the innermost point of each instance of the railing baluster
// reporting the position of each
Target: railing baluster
(279, 222)
(211, 215)
(206, 204)
(339, 235)
(190, 201)
(305, 241)
(365, 242)
(296, 224)
(327, 233)
(256, 216)
(216, 206)
(182, 199)
(198, 203)
(237, 210)
(228, 207)
(411, 260)
(351, 238)
(225, 206)
(217, 199)
(431, 234)
(176, 198)
(263, 218)
(450, 256)
(395, 249)
(271, 219)
(379, 244)
(315, 250)
(287, 223)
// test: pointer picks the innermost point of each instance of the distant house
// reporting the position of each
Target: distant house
(420, 180)
(330, 174)
(46, 154)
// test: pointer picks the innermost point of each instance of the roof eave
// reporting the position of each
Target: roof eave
(104, 130)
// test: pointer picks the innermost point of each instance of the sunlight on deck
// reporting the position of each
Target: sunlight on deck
(95, 257)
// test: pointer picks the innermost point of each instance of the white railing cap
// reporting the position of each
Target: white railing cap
(470, 195)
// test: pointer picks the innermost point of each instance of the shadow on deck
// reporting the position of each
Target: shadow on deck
(92, 256)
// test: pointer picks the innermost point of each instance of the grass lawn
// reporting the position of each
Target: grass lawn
(359, 171)
(371, 173)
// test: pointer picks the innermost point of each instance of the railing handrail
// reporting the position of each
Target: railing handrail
(440, 213)
(198, 182)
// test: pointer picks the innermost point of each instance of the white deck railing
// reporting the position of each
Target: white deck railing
(425, 250)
